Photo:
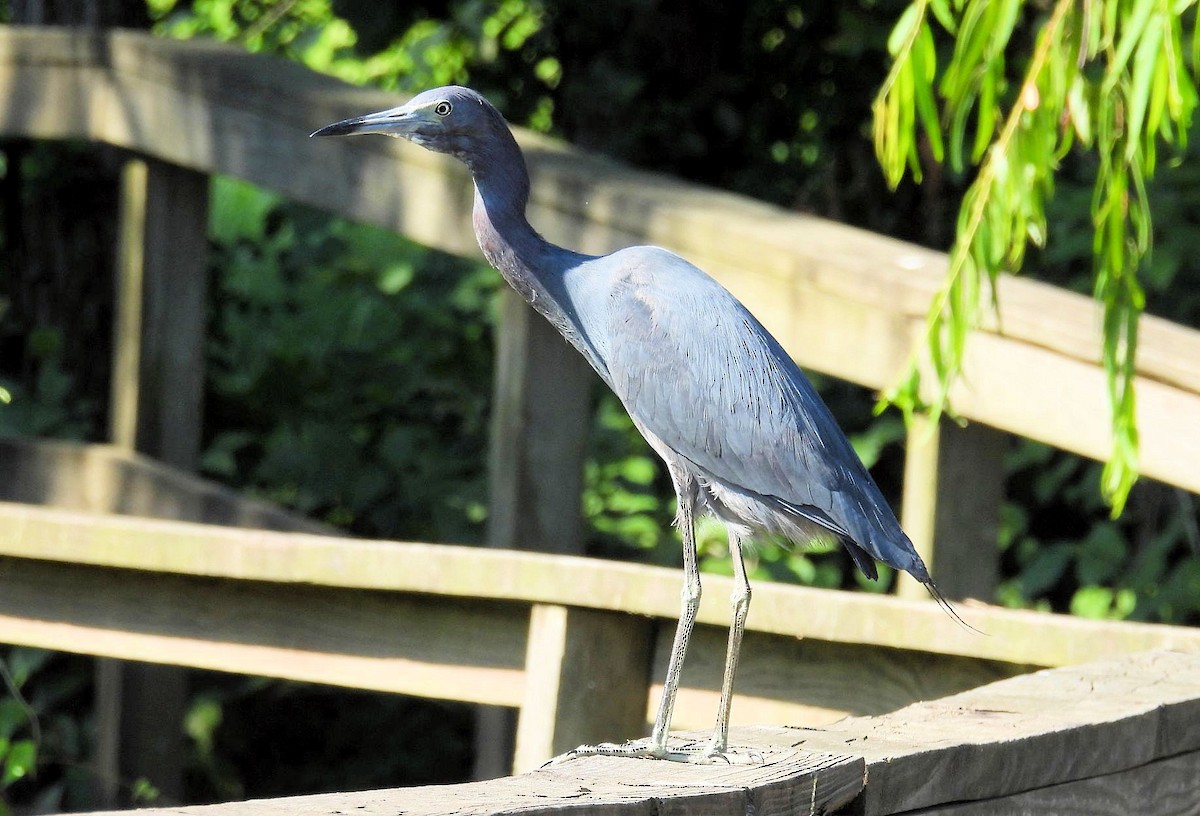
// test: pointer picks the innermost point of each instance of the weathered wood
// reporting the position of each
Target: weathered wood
(162, 280)
(157, 408)
(540, 426)
(450, 649)
(786, 783)
(953, 492)
(586, 681)
(541, 419)
(467, 573)
(1118, 736)
(109, 479)
(579, 675)
(207, 107)
(1165, 787)
(1024, 734)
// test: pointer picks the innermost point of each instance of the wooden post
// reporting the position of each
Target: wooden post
(156, 408)
(162, 284)
(953, 489)
(587, 677)
(540, 424)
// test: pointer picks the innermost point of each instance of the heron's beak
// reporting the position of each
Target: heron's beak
(401, 121)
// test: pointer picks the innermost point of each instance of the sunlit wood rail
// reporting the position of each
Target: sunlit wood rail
(1024, 745)
(571, 642)
(577, 645)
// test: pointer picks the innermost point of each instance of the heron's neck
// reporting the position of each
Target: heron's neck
(531, 265)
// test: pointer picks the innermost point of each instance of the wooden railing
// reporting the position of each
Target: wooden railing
(578, 646)
(522, 629)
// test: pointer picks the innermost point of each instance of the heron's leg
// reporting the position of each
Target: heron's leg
(740, 598)
(686, 490)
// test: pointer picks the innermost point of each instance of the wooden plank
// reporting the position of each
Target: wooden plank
(214, 109)
(157, 408)
(1012, 636)
(584, 677)
(953, 492)
(539, 433)
(1075, 740)
(1023, 734)
(450, 649)
(786, 783)
(1165, 787)
(541, 417)
(129, 283)
(587, 675)
(158, 369)
(109, 479)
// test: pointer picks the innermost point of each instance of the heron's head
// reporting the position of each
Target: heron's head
(452, 120)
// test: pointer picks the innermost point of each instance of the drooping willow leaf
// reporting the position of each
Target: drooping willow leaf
(1106, 76)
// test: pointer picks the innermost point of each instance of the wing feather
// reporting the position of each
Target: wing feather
(694, 367)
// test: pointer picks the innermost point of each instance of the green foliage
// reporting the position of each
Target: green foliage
(346, 367)
(423, 51)
(1062, 552)
(42, 738)
(1109, 77)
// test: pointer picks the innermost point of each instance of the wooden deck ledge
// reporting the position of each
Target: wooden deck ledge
(1117, 736)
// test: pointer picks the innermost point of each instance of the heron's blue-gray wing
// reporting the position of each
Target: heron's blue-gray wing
(693, 366)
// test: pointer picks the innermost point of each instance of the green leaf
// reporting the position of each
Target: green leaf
(1131, 28)
(20, 762)
(1145, 68)
(941, 10)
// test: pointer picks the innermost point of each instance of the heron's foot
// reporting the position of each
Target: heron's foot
(696, 753)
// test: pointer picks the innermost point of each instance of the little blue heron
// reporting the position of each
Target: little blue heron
(743, 433)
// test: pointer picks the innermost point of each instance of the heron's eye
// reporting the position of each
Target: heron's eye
(442, 108)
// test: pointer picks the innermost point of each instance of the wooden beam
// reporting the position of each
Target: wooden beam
(953, 492)
(1027, 735)
(467, 573)
(111, 479)
(809, 682)
(786, 783)
(541, 420)
(1165, 787)
(448, 649)
(540, 425)
(1090, 739)
(157, 408)
(162, 281)
(587, 677)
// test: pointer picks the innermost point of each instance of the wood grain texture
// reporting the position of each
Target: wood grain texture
(540, 426)
(1018, 735)
(808, 682)
(587, 675)
(470, 573)
(786, 783)
(210, 108)
(953, 492)
(110, 479)
(1166, 787)
(366, 640)
(1112, 737)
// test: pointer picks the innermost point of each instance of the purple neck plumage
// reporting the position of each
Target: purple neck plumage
(529, 263)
